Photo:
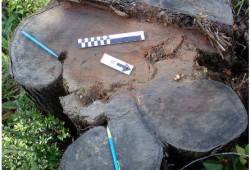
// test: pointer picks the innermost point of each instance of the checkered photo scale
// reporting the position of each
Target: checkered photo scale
(111, 39)
(93, 41)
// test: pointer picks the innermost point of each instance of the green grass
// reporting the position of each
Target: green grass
(29, 139)
(240, 7)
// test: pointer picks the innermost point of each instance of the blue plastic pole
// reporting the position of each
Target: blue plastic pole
(39, 44)
(112, 148)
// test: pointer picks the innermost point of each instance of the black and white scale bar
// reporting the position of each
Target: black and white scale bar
(111, 39)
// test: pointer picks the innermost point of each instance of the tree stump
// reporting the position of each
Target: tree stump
(164, 101)
(39, 74)
(193, 116)
(136, 147)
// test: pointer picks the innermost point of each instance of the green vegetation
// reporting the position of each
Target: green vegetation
(240, 7)
(13, 12)
(237, 160)
(29, 139)
(229, 161)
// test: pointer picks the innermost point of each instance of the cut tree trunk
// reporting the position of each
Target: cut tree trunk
(136, 147)
(39, 74)
(162, 102)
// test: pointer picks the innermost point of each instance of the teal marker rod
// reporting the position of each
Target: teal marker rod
(39, 44)
(112, 148)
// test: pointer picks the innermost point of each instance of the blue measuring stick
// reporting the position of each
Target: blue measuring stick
(39, 44)
(112, 148)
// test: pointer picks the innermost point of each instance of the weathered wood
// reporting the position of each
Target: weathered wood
(39, 74)
(136, 147)
(195, 116)
(90, 150)
(165, 61)
(164, 70)
(177, 12)
(32, 66)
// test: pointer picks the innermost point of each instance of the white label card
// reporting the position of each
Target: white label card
(117, 64)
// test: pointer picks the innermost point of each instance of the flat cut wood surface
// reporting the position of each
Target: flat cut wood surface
(193, 115)
(59, 28)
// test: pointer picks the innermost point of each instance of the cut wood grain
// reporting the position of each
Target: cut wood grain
(146, 110)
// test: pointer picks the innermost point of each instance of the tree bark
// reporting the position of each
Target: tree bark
(162, 103)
